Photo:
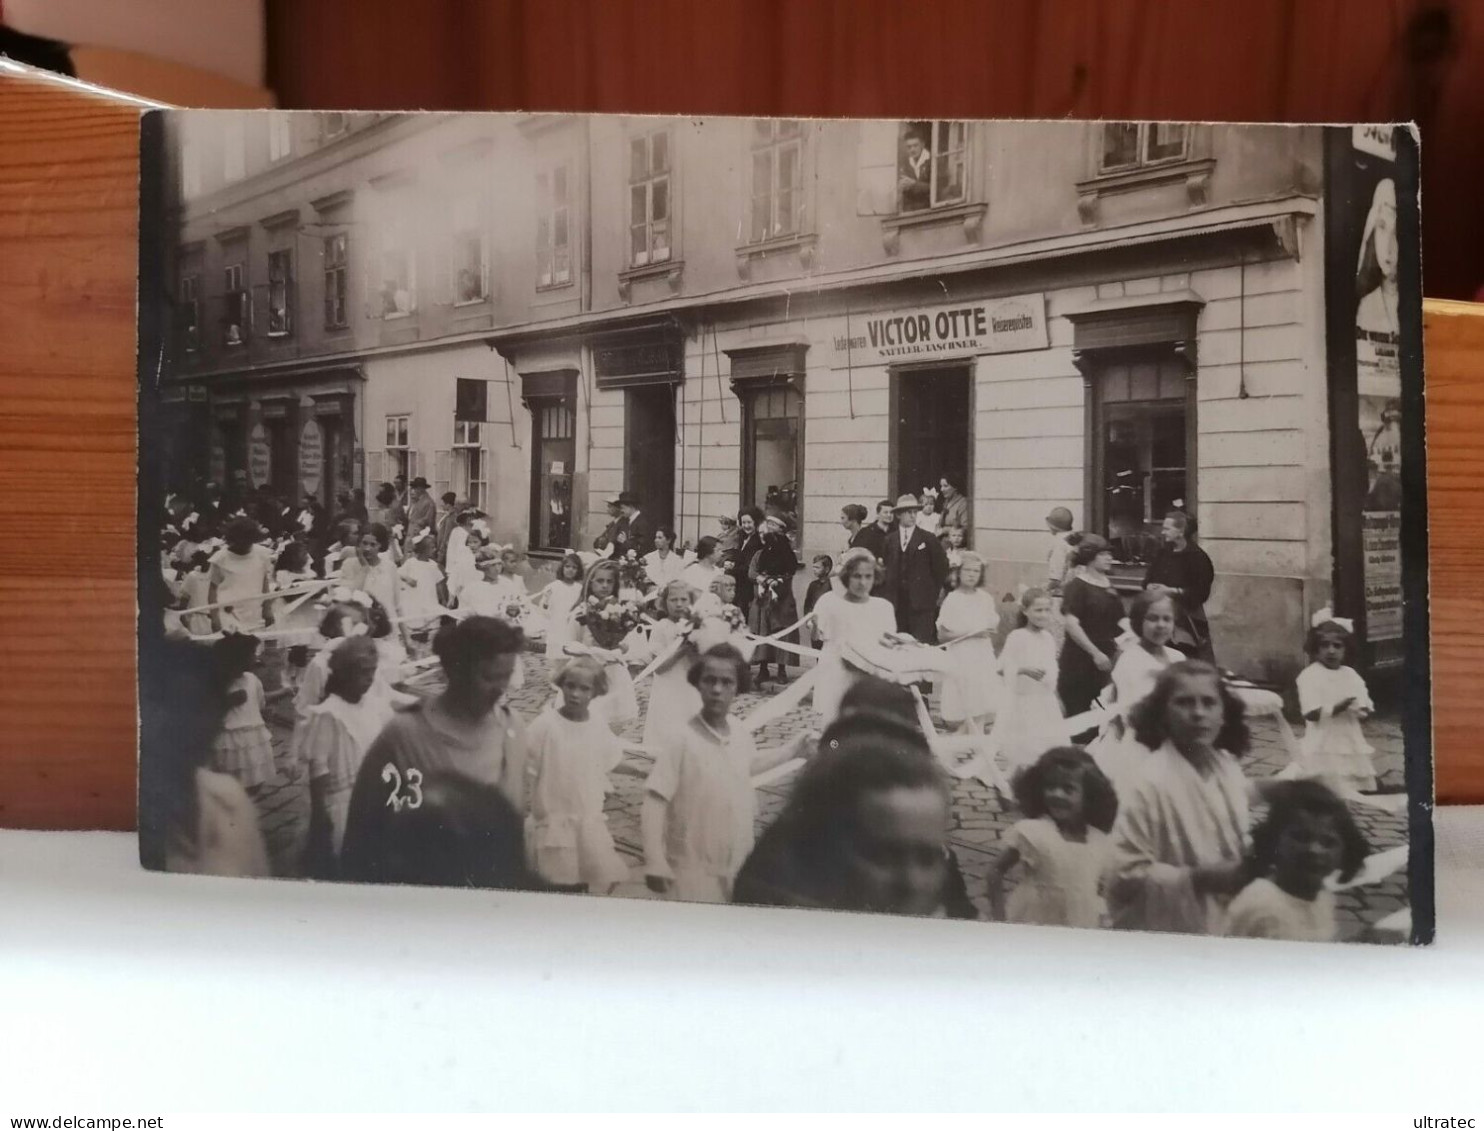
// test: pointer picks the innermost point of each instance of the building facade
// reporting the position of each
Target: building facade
(537, 312)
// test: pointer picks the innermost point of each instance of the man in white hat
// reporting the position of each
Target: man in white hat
(916, 568)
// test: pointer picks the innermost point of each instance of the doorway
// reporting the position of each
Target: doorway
(932, 429)
(649, 452)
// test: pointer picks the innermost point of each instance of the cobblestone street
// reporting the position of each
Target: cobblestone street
(981, 815)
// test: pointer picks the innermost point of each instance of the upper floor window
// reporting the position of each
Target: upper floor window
(337, 267)
(777, 178)
(932, 164)
(280, 284)
(234, 148)
(280, 136)
(236, 312)
(333, 125)
(649, 198)
(398, 283)
(553, 227)
(1129, 145)
(471, 262)
(190, 311)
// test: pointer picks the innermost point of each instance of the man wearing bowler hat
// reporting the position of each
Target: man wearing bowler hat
(916, 568)
(632, 531)
(422, 512)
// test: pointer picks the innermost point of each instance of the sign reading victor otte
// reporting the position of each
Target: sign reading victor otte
(1001, 325)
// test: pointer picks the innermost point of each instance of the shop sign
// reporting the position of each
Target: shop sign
(259, 455)
(1002, 325)
(311, 457)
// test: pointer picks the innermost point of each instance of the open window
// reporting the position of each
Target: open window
(280, 292)
(932, 164)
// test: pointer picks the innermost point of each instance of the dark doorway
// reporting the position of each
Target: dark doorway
(649, 452)
(931, 412)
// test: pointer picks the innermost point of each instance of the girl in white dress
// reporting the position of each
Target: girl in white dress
(1059, 849)
(421, 578)
(373, 571)
(618, 706)
(664, 564)
(243, 747)
(966, 622)
(853, 615)
(672, 700)
(240, 571)
(703, 571)
(570, 753)
(1152, 618)
(1334, 701)
(928, 518)
(1030, 721)
(557, 599)
(195, 589)
(458, 558)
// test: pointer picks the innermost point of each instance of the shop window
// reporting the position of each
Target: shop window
(553, 228)
(553, 450)
(470, 463)
(932, 164)
(777, 178)
(337, 265)
(280, 136)
(773, 451)
(234, 147)
(190, 311)
(400, 458)
(471, 264)
(235, 319)
(280, 288)
(649, 198)
(1144, 408)
(398, 284)
(1132, 145)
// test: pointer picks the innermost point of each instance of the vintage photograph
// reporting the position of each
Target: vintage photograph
(1014, 521)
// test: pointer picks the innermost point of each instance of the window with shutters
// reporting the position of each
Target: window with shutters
(400, 459)
(237, 308)
(470, 464)
(553, 227)
(337, 283)
(553, 451)
(280, 292)
(649, 198)
(777, 178)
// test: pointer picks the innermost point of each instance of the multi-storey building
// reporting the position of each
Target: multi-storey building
(539, 311)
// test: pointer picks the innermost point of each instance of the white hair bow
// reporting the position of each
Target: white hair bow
(1326, 615)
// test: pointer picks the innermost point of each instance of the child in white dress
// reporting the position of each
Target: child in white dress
(1060, 848)
(1152, 618)
(1031, 719)
(421, 577)
(672, 700)
(1307, 836)
(458, 555)
(570, 753)
(558, 599)
(664, 563)
(1334, 701)
(618, 706)
(194, 589)
(966, 622)
(240, 571)
(703, 571)
(853, 615)
(243, 748)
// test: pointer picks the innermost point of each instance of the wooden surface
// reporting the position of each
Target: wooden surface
(68, 197)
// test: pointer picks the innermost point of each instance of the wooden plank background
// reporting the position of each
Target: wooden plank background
(68, 198)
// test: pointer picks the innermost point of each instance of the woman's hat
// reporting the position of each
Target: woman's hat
(907, 503)
(779, 521)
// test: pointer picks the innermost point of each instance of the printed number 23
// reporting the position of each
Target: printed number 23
(398, 800)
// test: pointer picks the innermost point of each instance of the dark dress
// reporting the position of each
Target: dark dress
(1189, 570)
(872, 537)
(773, 607)
(739, 568)
(1098, 610)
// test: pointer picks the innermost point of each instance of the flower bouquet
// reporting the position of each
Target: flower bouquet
(609, 620)
(631, 573)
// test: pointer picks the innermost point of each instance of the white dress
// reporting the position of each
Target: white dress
(420, 606)
(492, 598)
(1334, 748)
(304, 620)
(559, 598)
(195, 588)
(973, 688)
(1116, 751)
(1058, 879)
(1030, 722)
(332, 743)
(699, 576)
(672, 700)
(840, 619)
(1263, 910)
(243, 747)
(238, 576)
(459, 561)
(379, 581)
(664, 570)
(930, 522)
(567, 837)
(620, 706)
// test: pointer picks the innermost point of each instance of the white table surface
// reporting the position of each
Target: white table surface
(127, 992)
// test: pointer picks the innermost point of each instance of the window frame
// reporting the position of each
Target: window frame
(283, 255)
(395, 240)
(468, 436)
(402, 453)
(548, 207)
(937, 154)
(538, 405)
(1142, 140)
(749, 392)
(337, 279)
(243, 299)
(467, 227)
(649, 181)
(773, 146)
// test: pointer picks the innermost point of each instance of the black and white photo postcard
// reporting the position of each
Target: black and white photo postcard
(1012, 521)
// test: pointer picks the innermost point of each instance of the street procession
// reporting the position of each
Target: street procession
(897, 575)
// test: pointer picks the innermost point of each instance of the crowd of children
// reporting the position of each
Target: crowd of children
(1148, 826)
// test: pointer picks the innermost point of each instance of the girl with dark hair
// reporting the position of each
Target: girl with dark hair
(191, 818)
(240, 571)
(1334, 701)
(243, 747)
(1184, 571)
(1307, 836)
(1061, 844)
(559, 599)
(1091, 608)
(750, 543)
(1181, 834)
(1152, 619)
(466, 730)
(372, 570)
(704, 569)
(664, 563)
(865, 828)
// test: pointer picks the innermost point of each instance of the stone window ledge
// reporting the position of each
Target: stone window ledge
(669, 270)
(970, 216)
(802, 243)
(1195, 174)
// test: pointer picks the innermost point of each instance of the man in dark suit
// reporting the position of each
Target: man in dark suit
(873, 537)
(633, 531)
(916, 568)
(603, 543)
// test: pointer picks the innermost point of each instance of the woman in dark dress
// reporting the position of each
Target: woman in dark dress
(749, 523)
(1183, 570)
(1092, 609)
(773, 604)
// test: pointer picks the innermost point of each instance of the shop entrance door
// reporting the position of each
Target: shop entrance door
(932, 429)
(649, 452)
